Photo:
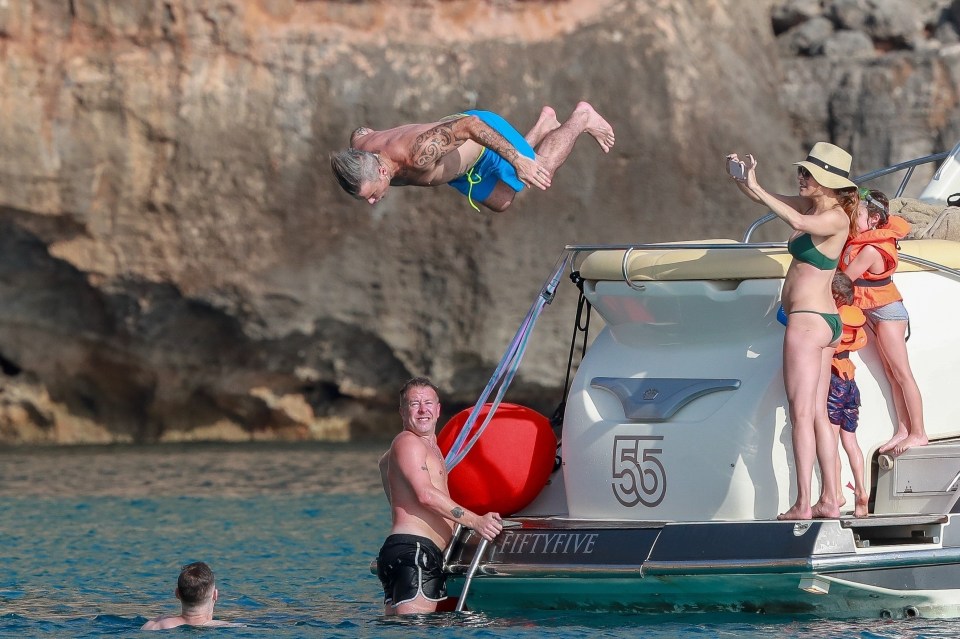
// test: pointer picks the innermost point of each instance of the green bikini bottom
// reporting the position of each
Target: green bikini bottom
(832, 320)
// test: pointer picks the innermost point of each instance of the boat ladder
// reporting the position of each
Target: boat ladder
(455, 540)
(471, 571)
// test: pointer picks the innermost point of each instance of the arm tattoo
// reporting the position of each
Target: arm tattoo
(457, 512)
(429, 147)
(489, 138)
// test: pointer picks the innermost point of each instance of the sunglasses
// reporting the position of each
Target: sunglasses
(803, 173)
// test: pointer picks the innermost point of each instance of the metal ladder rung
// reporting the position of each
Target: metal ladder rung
(474, 565)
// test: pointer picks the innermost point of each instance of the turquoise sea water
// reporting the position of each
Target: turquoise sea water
(92, 539)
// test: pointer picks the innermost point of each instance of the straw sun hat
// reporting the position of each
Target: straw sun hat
(829, 165)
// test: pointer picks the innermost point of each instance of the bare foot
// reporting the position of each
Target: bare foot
(860, 509)
(898, 437)
(546, 123)
(795, 512)
(599, 128)
(910, 442)
(823, 510)
(841, 500)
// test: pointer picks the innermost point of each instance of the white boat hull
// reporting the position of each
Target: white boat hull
(727, 453)
(676, 455)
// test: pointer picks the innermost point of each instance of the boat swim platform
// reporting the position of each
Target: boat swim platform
(734, 261)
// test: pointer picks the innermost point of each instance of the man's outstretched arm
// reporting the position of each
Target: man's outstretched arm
(529, 170)
(432, 145)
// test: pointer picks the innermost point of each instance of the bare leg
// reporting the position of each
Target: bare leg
(500, 198)
(827, 444)
(502, 195)
(804, 358)
(841, 500)
(417, 606)
(899, 407)
(546, 123)
(557, 144)
(893, 350)
(855, 455)
(553, 143)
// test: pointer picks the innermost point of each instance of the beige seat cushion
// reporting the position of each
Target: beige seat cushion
(736, 263)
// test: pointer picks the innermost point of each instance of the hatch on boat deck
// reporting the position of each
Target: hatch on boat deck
(924, 479)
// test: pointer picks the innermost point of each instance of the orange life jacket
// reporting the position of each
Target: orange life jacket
(873, 290)
(854, 337)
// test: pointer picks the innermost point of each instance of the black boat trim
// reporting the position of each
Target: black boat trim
(838, 564)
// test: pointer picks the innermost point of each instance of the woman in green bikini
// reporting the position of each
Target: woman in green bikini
(822, 215)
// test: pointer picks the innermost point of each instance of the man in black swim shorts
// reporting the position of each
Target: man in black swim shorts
(414, 475)
(410, 566)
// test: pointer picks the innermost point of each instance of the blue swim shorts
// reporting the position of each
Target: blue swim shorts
(478, 183)
(843, 403)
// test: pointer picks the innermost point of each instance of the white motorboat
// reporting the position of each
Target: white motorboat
(675, 450)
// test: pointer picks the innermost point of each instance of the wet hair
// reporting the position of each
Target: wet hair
(877, 204)
(416, 382)
(842, 287)
(352, 167)
(195, 583)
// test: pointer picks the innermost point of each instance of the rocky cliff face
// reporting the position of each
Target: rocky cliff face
(176, 261)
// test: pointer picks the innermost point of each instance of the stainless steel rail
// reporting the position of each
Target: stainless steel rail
(933, 265)
(477, 557)
(454, 540)
(909, 165)
(580, 248)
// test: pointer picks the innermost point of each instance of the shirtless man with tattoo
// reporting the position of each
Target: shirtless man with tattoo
(477, 152)
(414, 475)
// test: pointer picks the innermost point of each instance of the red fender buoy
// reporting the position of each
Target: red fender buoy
(508, 466)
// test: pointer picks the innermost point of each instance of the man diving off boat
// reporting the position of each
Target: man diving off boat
(414, 475)
(477, 152)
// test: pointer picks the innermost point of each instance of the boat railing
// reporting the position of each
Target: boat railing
(576, 250)
(907, 166)
(936, 266)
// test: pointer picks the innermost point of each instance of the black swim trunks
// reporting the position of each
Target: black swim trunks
(410, 565)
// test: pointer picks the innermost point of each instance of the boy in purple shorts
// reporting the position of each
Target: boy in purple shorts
(843, 398)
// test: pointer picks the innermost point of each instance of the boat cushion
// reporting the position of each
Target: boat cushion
(739, 262)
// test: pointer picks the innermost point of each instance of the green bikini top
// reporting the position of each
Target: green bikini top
(802, 248)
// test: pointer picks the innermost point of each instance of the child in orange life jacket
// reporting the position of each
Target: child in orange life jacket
(843, 398)
(870, 258)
